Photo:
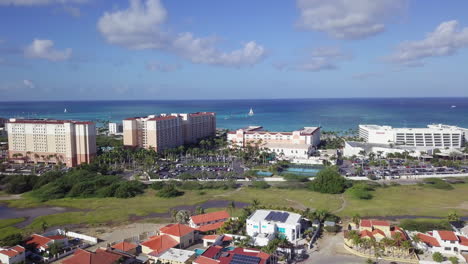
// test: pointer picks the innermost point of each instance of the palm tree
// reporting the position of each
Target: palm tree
(232, 207)
(356, 219)
(321, 214)
(255, 203)
(453, 217)
(44, 226)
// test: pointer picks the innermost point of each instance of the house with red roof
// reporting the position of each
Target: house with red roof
(216, 255)
(12, 255)
(40, 243)
(158, 244)
(126, 247)
(447, 242)
(101, 256)
(183, 234)
(209, 221)
(378, 230)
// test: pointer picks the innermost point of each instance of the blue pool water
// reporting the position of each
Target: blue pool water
(264, 173)
(303, 171)
(199, 251)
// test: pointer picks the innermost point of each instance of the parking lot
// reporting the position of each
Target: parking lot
(394, 169)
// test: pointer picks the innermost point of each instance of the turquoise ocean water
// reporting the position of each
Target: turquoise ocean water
(278, 114)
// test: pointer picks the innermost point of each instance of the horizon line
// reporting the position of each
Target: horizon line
(235, 99)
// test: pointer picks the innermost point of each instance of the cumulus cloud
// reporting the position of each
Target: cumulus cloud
(39, 2)
(141, 26)
(44, 49)
(157, 66)
(348, 19)
(323, 58)
(445, 40)
(29, 84)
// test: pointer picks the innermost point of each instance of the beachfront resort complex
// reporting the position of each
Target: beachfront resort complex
(166, 131)
(51, 141)
(298, 144)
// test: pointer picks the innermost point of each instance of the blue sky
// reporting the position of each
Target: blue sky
(211, 49)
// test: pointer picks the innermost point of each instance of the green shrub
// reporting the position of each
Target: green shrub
(169, 191)
(360, 191)
(424, 226)
(438, 184)
(437, 257)
(329, 180)
(260, 185)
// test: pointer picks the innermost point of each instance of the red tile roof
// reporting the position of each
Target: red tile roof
(463, 240)
(13, 251)
(177, 230)
(210, 217)
(380, 223)
(159, 244)
(125, 246)
(81, 256)
(447, 235)
(210, 227)
(366, 223)
(429, 240)
(378, 231)
(38, 241)
(366, 233)
(18, 248)
(210, 237)
(160, 118)
(205, 260)
(227, 238)
(212, 251)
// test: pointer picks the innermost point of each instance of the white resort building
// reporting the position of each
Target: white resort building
(264, 225)
(448, 243)
(298, 144)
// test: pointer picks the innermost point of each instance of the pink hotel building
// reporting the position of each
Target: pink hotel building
(51, 141)
(168, 131)
(291, 145)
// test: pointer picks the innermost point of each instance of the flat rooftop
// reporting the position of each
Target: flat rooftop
(277, 217)
(178, 255)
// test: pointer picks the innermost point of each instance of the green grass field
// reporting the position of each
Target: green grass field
(397, 200)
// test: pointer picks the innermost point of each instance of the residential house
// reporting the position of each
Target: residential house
(445, 242)
(40, 243)
(209, 221)
(101, 256)
(177, 256)
(378, 230)
(183, 234)
(236, 255)
(264, 225)
(126, 247)
(12, 255)
(209, 240)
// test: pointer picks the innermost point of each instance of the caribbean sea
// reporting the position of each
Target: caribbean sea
(274, 114)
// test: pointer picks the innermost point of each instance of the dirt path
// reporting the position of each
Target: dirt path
(10, 197)
(343, 204)
(298, 205)
(229, 193)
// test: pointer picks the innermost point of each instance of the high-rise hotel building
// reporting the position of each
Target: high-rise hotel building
(52, 141)
(163, 131)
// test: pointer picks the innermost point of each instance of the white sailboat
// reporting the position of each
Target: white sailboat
(453, 106)
(251, 112)
(65, 111)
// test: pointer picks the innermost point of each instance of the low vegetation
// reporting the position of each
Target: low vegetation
(330, 181)
(425, 225)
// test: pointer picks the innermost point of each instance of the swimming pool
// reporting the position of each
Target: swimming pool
(199, 251)
(302, 171)
(264, 173)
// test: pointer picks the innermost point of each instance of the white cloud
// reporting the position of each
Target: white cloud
(39, 2)
(445, 40)
(324, 58)
(141, 26)
(157, 66)
(44, 49)
(348, 19)
(29, 84)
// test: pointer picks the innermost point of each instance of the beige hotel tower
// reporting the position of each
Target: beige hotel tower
(163, 131)
(52, 141)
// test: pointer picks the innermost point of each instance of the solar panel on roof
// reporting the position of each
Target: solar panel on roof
(277, 216)
(244, 259)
